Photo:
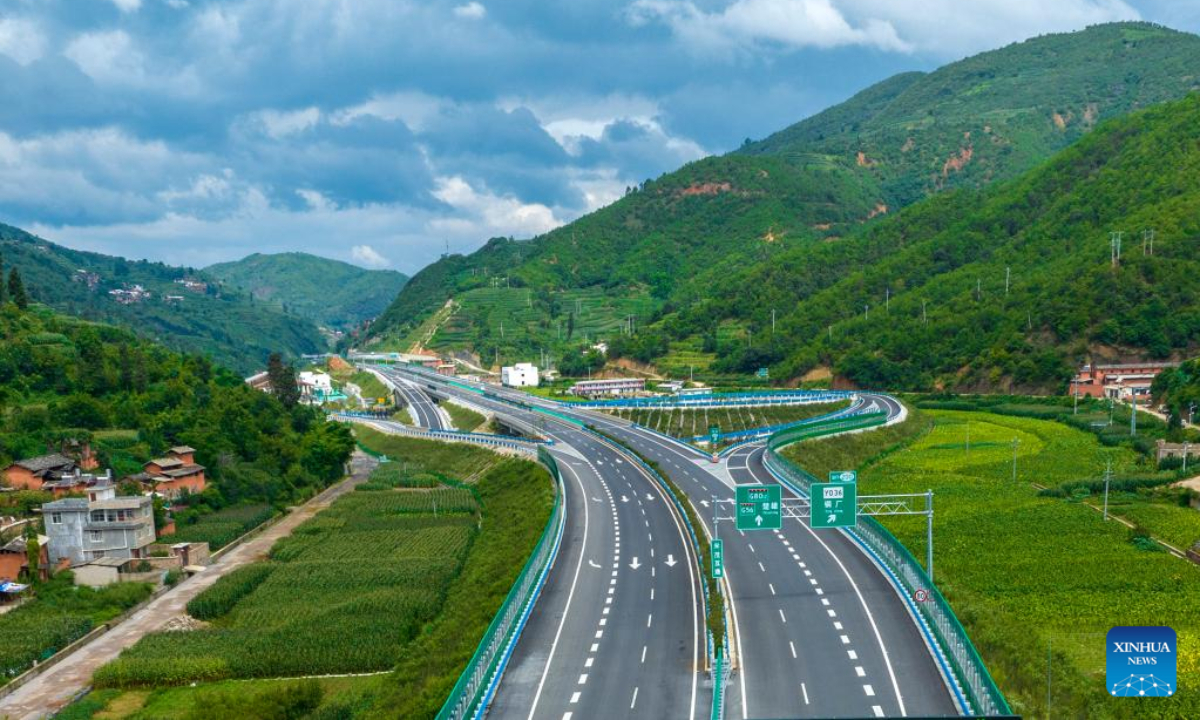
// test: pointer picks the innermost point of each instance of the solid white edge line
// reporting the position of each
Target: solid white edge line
(570, 594)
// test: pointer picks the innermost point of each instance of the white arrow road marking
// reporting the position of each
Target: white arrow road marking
(596, 499)
(624, 499)
(635, 564)
(704, 503)
(670, 560)
(592, 564)
(649, 496)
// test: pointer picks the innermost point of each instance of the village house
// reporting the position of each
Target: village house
(102, 525)
(32, 473)
(14, 558)
(173, 475)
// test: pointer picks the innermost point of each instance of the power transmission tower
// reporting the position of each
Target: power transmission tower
(1007, 276)
(1147, 242)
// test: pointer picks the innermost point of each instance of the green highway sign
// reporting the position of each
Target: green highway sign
(834, 505)
(763, 372)
(759, 507)
(718, 559)
(843, 476)
(714, 434)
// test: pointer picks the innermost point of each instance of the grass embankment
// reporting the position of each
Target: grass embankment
(376, 581)
(1033, 578)
(463, 418)
(691, 422)
(59, 614)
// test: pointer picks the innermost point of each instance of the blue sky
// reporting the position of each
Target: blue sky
(378, 131)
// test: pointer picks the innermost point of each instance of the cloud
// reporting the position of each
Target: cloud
(367, 256)
(752, 23)
(108, 57)
(128, 6)
(21, 39)
(470, 11)
(495, 214)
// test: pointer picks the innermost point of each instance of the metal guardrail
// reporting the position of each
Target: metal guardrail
(477, 684)
(782, 397)
(968, 669)
(765, 431)
(512, 442)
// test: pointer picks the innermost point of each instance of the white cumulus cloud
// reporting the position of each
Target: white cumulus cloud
(21, 40)
(367, 255)
(471, 11)
(128, 6)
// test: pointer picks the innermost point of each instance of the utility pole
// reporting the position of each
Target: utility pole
(1007, 276)
(887, 300)
(866, 312)
(1076, 410)
(924, 317)
(1107, 478)
(772, 322)
(978, 289)
(1112, 408)
(1147, 242)
(831, 333)
(1186, 451)
(1133, 416)
(1114, 239)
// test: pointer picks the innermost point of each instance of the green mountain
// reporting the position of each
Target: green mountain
(675, 252)
(333, 294)
(1008, 287)
(199, 317)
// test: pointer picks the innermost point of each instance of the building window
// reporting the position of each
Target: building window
(97, 516)
(96, 535)
(56, 518)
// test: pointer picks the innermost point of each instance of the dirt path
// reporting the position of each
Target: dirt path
(55, 688)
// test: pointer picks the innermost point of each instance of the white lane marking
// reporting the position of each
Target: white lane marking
(749, 545)
(808, 573)
(845, 640)
(574, 698)
(567, 716)
(600, 634)
(649, 619)
(772, 586)
(877, 710)
(651, 594)
(592, 564)
(820, 591)
(858, 670)
(644, 653)
(804, 689)
(595, 647)
(634, 700)
(837, 626)
(870, 691)
(781, 616)
(603, 622)
(825, 601)
(570, 596)
(853, 655)
(583, 679)
(792, 645)
(605, 611)
(832, 612)
(588, 663)
(760, 567)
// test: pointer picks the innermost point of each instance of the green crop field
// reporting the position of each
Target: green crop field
(416, 555)
(220, 528)
(1032, 577)
(688, 423)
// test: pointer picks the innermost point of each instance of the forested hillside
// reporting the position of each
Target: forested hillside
(1008, 287)
(333, 294)
(199, 317)
(64, 380)
(672, 244)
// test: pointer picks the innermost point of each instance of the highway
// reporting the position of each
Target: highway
(619, 628)
(820, 632)
(424, 408)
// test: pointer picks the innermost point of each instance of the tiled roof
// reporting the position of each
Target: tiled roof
(183, 450)
(45, 462)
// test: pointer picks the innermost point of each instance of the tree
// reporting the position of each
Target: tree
(570, 324)
(282, 378)
(16, 289)
(33, 553)
(3, 294)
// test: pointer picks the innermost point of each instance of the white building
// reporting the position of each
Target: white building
(318, 380)
(519, 375)
(613, 386)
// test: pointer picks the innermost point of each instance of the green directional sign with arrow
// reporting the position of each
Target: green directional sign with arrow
(834, 505)
(759, 507)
